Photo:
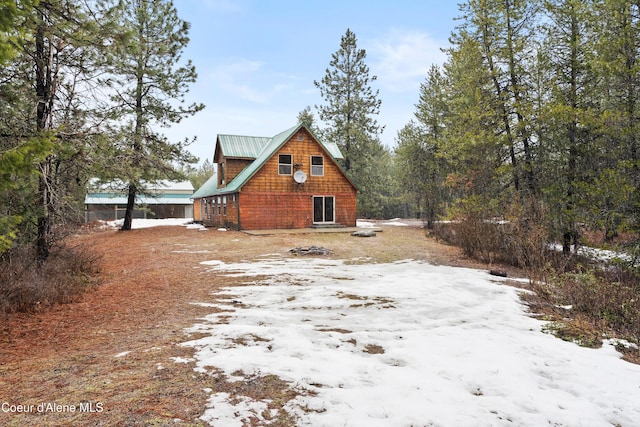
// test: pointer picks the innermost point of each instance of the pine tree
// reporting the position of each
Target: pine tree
(43, 126)
(420, 161)
(617, 189)
(504, 31)
(351, 105)
(307, 118)
(350, 101)
(571, 112)
(147, 80)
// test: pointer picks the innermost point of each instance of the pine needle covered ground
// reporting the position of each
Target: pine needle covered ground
(110, 357)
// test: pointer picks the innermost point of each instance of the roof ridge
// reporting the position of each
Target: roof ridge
(242, 136)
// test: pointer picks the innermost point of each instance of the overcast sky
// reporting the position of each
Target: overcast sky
(257, 59)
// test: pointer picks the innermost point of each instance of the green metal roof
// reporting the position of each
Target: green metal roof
(208, 188)
(245, 145)
(266, 153)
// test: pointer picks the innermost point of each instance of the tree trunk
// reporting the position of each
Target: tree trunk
(43, 97)
(43, 239)
(131, 201)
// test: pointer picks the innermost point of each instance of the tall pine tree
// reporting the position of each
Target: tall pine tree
(148, 83)
(43, 126)
(349, 114)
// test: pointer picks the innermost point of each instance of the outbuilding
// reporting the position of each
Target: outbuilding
(164, 199)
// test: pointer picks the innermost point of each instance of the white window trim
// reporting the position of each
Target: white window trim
(285, 164)
(312, 165)
(323, 207)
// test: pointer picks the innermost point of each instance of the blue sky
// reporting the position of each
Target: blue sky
(257, 59)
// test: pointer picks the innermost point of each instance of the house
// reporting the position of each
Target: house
(165, 199)
(292, 180)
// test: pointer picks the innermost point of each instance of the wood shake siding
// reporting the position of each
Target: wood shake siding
(270, 200)
(233, 167)
(267, 178)
(260, 196)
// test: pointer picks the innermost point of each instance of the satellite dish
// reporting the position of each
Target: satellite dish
(300, 177)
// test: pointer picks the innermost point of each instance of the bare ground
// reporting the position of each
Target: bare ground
(107, 359)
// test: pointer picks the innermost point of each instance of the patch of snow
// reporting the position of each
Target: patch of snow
(195, 226)
(623, 343)
(364, 224)
(220, 412)
(402, 344)
(147, 223)
(123, 354)
(396, 222)
(181, 360)
(203, 304)
(595, 253)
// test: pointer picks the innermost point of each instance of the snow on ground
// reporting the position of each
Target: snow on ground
(604, 255)
(147, 223)
(363, 223)
(402, 344)
(397, 222)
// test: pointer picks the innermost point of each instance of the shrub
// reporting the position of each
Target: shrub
(26, 286)
(608, 300)
(518, 236)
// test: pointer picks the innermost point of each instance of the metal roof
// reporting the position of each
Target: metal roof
(260, 149)
(208, 188)
(245, 147)
(160, 193)
(113, 199)
(268, 151)
(162, 186)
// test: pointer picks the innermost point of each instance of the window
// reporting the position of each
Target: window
(284, 164)
(317, 166)
(224, 205)
(219, 205)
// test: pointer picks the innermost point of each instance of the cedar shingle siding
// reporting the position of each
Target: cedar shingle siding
(261, 194)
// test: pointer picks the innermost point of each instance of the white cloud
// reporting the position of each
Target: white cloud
(402, 58)
(248, 80)
(232, 78)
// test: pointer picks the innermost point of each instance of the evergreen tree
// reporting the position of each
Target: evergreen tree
(504, 31)
(148, 82)
(571, 112)
(351, 105)
(617, 189)
(421, 167)
(200, 175)
(307, 118)
(43, 129)
(473, 147)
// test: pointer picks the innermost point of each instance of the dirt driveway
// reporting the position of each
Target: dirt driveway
(110, 359)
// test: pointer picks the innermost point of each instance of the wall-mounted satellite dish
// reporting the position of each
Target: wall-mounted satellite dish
(300, 177)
